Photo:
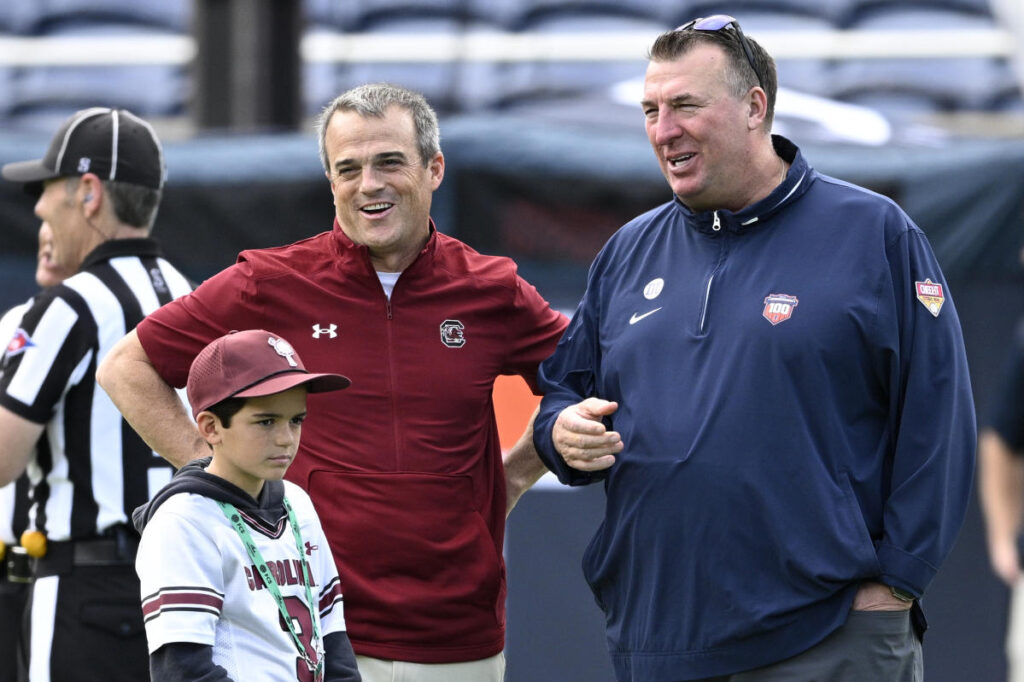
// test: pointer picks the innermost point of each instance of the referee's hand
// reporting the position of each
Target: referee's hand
(581, 438)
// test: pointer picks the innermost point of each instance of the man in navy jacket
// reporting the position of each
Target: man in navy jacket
(768, 374)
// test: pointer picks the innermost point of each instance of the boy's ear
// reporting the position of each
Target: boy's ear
(209, 427)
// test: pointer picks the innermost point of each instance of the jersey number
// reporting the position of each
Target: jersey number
(301, 621)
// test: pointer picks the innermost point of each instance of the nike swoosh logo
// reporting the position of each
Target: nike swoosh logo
(636, 318)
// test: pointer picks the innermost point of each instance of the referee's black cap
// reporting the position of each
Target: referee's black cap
(115, 144)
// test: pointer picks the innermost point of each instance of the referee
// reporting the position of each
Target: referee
(14, 499)
(99, 187)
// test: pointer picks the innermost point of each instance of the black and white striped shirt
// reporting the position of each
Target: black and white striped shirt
(14, 495)
(96, 469)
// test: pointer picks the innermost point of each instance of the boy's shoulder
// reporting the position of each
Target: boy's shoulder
(297, 496)
(186, 504)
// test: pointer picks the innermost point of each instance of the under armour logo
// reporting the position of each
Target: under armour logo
(310, 548)
(331, 331)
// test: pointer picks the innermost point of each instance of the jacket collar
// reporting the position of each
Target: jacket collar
(798, 179)
(346, 248)
(116, 248)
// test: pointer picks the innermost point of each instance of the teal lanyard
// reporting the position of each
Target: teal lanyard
(268, 578)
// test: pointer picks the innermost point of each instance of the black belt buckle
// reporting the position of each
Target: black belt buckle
(19, 566)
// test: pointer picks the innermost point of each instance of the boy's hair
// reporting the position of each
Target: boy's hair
(226, 409)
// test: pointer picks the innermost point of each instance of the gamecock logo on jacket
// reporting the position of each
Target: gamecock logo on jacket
(452, 334)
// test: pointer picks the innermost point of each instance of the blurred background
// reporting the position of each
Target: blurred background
(917, 99)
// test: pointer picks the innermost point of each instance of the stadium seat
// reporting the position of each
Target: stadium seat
(44, 16)
(811, 75)
(6, 91)
(146, 89)
(859, 10)
(437, 80)
(320, 84)
(9, 22)
(951, 83)
(822, 10)
(506, 14)
(328, 15)
(543, 78)
(537, 10)
(370, 12)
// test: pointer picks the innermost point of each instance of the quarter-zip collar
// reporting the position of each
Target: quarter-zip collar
(798, 179)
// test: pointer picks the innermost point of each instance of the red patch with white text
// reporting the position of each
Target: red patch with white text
(18, 343)
(779, 307)
(930, 295)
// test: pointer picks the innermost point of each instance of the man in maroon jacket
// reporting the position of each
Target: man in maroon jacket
(405, 469)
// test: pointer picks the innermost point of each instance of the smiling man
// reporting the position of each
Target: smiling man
(769, 375)
(406, 468)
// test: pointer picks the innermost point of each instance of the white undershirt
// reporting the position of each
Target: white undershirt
(387, 280)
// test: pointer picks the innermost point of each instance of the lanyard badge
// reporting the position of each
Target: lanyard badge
(315, 663)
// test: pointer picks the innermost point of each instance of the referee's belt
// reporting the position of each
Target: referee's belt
(62, 557)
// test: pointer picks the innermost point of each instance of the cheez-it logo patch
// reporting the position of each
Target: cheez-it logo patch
(779, 307)
(930, 295)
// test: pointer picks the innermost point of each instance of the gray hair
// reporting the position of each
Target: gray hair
(374, 99)
(134, 205)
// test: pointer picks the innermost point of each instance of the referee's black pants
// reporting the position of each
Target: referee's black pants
(12, 610)
(85, 625)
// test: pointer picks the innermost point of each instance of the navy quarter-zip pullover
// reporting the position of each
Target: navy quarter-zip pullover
(797, 417)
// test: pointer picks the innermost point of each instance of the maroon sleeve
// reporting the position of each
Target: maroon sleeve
(175, 333)
(537, 327)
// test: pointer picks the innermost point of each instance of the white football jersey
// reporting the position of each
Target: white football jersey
(199, 586)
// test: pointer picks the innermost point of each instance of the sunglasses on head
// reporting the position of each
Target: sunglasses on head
(722, 22)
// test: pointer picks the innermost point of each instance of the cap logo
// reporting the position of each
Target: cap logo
(284, 349)
(83, 164)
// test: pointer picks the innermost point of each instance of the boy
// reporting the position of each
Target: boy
(238, 582)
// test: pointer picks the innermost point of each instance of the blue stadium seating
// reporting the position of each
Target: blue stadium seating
(146, 89)
(506, 14)
(824, 10)
(437, 80)
(859, 10)
(328, 14)
(812, 75)
(949, 83)
(549, 77)
(368, 12)
(532, 11)
(42, 16)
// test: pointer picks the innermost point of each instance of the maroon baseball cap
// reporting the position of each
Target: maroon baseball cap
(115, 144)
(250, 364)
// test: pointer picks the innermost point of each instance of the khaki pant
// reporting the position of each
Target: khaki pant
(485, 670)
(872, 645)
